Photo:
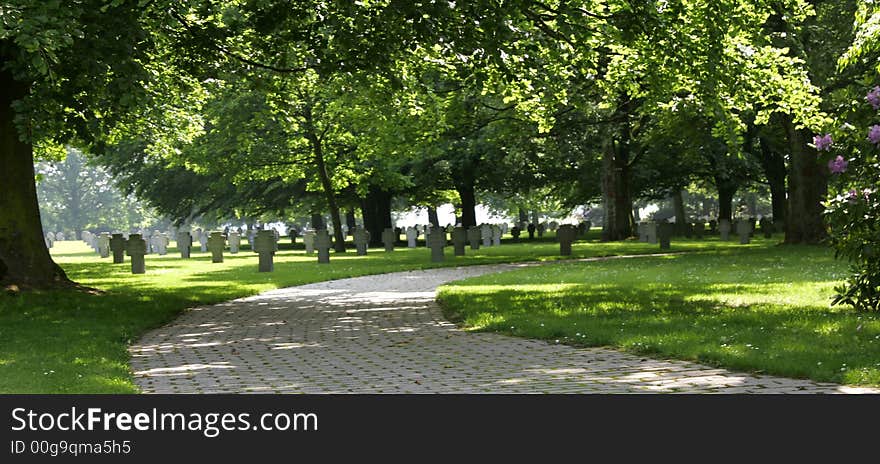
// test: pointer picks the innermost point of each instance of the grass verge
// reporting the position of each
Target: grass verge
(763, 310)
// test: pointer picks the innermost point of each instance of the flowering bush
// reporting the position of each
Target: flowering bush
(853, 214)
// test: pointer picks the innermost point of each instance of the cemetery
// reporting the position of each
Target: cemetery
(440, 202)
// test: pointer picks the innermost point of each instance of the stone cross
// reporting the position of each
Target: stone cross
(411, 235)
(136, 248)
(264, 244)
(651, 232)
(459, 240)
(322, 243)
(162, 244)
(699, 229)
(251, 234)
(104, 244)
(664, 234)
(361, 240)
(184, 244)
(309, 242)
(437, 241)
(216, 244)
(203, 240)
(117, 244)
(724, 229)
(744, 230)
(473, 236)
(388, 238)
(234, 242)
(515, 233)
(496, 236)
(486, 234)
(566, 234)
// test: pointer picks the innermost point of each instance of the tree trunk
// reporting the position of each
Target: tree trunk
(350, 220)
(726, 190)
(377, 213)
(680, 216)
(808, 186)
(523, 215)
(774, 169)
(615, 193)
(317, 221)
(24, 259)
(433, 219)
(468, 204)
(326, 184)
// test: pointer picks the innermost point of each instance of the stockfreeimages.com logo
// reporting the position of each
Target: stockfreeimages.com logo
(209, 424)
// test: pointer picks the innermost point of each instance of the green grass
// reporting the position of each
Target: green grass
(73, 342)
(763, 310)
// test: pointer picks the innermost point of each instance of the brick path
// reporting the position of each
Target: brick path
(385, 334)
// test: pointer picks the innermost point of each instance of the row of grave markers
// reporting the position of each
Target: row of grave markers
(265, 243)
(653, 232)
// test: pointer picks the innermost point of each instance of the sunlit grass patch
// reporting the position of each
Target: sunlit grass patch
(759, 309)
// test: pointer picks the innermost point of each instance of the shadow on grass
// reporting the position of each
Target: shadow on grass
(760, 311)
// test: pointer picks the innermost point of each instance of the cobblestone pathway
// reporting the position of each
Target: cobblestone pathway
(385, 334)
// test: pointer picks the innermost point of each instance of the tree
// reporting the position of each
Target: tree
(75, 195)
(60, 78)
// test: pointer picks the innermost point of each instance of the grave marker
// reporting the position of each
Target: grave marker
(216, 244)
(136, 248)
(664, 234)
(361, 240)
(234, 242)
(459, 240)
(264, 244)
(744, 230)
(724, 229)
(473, 236)
(389, 236)
(117, 245)
(767, 227)
(437, 241)
(566, 234)
(104, 244)
(411, 236)
(486, 235)
(309, 242)
(322, 243)
(184, 244)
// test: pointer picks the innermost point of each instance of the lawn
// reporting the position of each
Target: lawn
(763, 310)
(74, 342)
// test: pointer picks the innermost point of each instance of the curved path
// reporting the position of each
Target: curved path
(385, 334)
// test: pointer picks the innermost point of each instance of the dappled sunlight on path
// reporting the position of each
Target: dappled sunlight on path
(385, 334)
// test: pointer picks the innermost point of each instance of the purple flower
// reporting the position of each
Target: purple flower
(822, 142)
(874, 134)
(837, 165)
(873, 97)
(852, 196)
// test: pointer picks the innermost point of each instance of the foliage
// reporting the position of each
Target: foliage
(76, 195)
(853, 206)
